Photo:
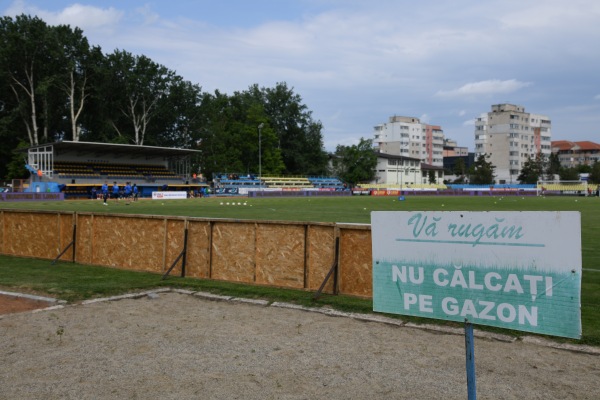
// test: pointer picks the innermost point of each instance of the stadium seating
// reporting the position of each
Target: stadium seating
(234, 180)
(564, 187)
(287, 182)
(323, 182)
(110, 171)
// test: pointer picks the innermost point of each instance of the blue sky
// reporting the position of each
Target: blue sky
(355, 63)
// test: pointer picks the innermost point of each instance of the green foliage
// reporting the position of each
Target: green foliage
(431, 177)
(460, 169)
(584, 169)
(16, 167)
(569, 174)
(533, 169)
(299, 136)
(553, 166)
(595, 173)
(54, 85)
(482, 171)
(356, 163)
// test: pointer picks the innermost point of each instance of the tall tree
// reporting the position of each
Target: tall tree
(482, 171)
(595, 174)
(431, 177)
(220, 152)
(356, 163)
(299, 136)
(141, 84)
(77, 65)
(553, 166)
(24, 57)
(460, 170)
(177, 120)
(569, 174)
(533, 169)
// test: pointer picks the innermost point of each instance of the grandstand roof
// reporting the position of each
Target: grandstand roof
(131, 151)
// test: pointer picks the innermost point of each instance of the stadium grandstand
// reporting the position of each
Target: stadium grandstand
(76, 168)
(557, 188)
(233, 183)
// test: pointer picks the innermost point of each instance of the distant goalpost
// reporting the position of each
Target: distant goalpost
(557, 188)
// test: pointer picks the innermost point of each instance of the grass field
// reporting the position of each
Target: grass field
(348, 209)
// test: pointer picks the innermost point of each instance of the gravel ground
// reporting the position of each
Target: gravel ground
(180, 346)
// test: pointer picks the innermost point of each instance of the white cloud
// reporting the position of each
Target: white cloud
(356, 62)
(148, 14)
(82, 16)
(469, 122)
(489, 87)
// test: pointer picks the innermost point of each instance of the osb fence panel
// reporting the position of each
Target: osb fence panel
(129, 242)
(285, 255)
(31, 234)
(84, 239)
(198, 250)
(174, 244)
(280, 255)
(2, 232)
(321, 254)
(355, 273)
(65, 223)
(233, 255)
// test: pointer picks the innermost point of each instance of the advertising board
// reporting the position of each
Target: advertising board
(168, 195)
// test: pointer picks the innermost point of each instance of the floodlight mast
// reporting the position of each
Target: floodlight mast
(260, 126)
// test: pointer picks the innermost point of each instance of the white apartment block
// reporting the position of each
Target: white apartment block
(408, 137)
(509, 135)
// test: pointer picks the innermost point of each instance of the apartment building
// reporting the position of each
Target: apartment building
(509, 135)
(408, 137)
(574, 154)
(452, 149)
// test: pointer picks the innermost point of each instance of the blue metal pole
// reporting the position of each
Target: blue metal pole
(470, 359)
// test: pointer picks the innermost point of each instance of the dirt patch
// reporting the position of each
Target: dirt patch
(179, 346)
(13, 304)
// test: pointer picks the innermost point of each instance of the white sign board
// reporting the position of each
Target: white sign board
(514, 270)
(168, 195)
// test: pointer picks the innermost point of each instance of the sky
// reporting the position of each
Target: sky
(356, 63)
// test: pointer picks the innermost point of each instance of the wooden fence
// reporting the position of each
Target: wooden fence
(275, 253)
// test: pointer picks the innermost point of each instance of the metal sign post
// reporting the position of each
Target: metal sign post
(470, 360)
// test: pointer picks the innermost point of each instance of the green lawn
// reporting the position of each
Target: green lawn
(73, 282)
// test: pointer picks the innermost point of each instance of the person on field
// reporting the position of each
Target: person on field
(135, 192)
(127, 191)
(115, 191)
(104, 191)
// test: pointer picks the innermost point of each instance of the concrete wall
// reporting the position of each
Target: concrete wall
(286, 254)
